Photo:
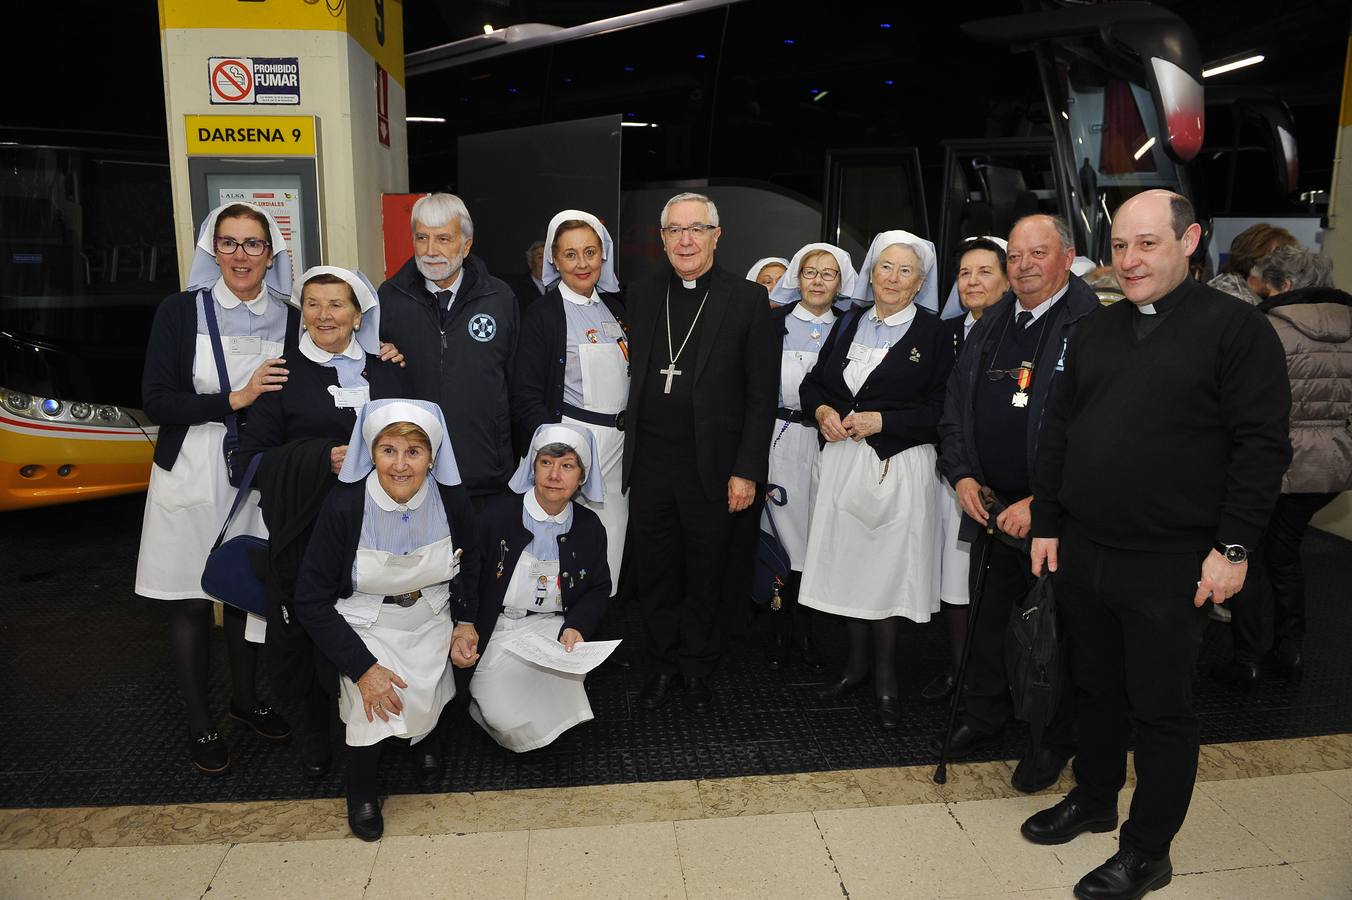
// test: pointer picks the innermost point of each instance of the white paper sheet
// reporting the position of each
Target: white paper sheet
(543, 651)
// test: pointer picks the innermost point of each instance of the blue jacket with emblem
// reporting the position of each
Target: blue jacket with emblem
(462, 362)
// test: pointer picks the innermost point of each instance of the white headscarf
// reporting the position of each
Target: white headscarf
(583, 443)
(787, 289)
(205, 271)
(754, 272)
(549, 273)
(929, 288)
(376, 415)
(953, 305)
(368, 335)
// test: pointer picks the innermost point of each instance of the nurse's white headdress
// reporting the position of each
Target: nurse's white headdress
(549, 273)
(583, 443)
(953, 305)
(368, 335)
(754, 272)
(373, 419)
(929, 288)
(204, 271)
(787, 289)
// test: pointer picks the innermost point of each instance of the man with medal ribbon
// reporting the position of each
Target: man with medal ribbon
(702, 399)
(1003, 379)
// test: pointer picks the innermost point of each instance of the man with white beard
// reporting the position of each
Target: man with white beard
(457, 327)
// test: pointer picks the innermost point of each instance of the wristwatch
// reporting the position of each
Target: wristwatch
(1234, 553)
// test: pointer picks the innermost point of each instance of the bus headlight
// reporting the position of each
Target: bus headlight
(18, 401)
(49, 409)
(52, 407)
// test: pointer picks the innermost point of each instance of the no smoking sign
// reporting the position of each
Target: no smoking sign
(271, 81)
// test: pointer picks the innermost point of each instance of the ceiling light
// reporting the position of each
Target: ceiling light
(1144, 149)
(438, 120)
(1232, 65)
(488, 29)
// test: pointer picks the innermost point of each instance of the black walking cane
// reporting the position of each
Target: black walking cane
(974, 610)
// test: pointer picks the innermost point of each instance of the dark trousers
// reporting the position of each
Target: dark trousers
(1271, 607)
(1134, 636)
(680, 543)
(987, 704)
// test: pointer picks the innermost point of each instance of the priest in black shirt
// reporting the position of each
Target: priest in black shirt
(1160, 461)
(703, 390)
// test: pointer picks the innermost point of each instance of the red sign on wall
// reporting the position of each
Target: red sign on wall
(396, 215)
(382, 105)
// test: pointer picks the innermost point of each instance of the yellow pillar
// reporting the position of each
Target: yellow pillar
(314, 62)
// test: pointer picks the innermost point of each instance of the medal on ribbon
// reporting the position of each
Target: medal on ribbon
(1020, 398)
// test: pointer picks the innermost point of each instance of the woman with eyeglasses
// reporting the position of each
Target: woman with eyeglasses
(876, 392)
(816, 277)
(234, 316)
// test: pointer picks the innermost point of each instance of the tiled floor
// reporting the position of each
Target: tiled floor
(1269, 819)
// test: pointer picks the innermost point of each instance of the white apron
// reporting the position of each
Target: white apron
(955, 560)
(605, 389)
(793, 449)
(873, 545)
(186, 505)
(412, 642)
(523, 706)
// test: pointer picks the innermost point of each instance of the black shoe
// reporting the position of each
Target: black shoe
(774, 656)
(1066, 821)
(965, 740)
(698, 697)
(431, 764)
(209, 753)
(809, 654)
(657, 691)
(1238, 674)
(889, 712)
(264, 720)
(1034, 774)
(1127, 875)
(940, 687)
(316, 754)
(1287, 660)
(839, 688)
(365, 820)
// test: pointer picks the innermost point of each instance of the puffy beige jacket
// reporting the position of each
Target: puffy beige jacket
(1315, 327)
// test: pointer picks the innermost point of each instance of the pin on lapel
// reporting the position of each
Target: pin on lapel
(915, 354)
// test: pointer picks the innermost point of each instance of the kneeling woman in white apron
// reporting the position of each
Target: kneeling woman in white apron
(572, 361)
(389, 589)
(544, 571)
(235, 303)
(877, 392)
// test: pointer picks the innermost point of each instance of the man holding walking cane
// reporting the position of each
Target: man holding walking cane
(1007, 372)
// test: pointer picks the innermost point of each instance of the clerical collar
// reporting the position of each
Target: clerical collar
(702, 281)
(1042, 307)
(800, 311)
(1165, 304)
(226, 298)
(900, 317)
(537, 512)
(312, 351)
(453, 287)
(573, 296)
(388, 503)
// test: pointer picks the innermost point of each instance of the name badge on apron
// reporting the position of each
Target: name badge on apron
(244, 345)
(857, 353)
(612, 330)
(406, 561)
(350, 398)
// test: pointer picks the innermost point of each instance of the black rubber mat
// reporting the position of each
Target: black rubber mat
(92, 715)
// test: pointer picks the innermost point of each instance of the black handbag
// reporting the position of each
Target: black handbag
(232, 423)
(1034, 659)
(772, 560)
(236, 570)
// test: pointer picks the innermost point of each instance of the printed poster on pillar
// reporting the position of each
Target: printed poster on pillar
(254, 80)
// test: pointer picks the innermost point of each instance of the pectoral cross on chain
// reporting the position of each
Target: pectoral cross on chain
(671, 372)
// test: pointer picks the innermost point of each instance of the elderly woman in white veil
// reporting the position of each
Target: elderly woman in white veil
(214, 349)
(818, 277)
(545, 572)
(389, 590)
(877, 392)
(766, 272)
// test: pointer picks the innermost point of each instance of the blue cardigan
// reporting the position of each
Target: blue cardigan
(167, 393)
(583, 572)
(326, 575)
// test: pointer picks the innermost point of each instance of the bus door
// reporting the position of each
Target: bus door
(872, 190)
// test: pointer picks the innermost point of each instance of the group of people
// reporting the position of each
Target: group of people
(1137, 451)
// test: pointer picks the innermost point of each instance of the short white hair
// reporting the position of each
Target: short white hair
(530, 251)
(436, 210)
(711, 211)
